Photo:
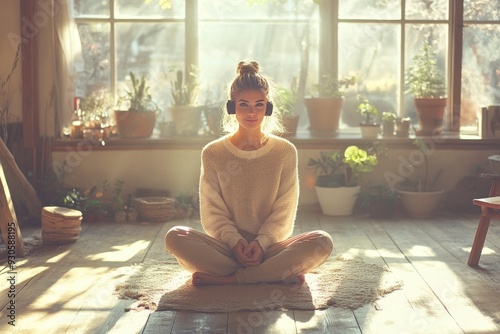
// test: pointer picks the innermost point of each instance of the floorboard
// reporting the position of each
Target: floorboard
(70, 288)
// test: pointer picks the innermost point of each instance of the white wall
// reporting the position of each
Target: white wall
(178, 170)
(9, 35)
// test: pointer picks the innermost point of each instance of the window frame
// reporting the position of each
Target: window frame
(328, 61)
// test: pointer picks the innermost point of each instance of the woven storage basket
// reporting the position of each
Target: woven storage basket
(155, 208)
(60, 225)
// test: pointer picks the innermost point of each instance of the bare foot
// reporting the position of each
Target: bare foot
(298, 280)
(199, 279)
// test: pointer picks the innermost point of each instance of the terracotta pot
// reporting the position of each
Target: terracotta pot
(420, 204)
(135, 124)
(388, 128)
(430, 114)
(290, 123)
(324, 113)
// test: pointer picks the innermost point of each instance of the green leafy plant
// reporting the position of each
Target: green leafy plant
(420, 180)
(388, 116)
(377, 194)
(286, 98)
(423, 78)
(185, 89)
(367, 110)
(331, 86)
(95, 107)
(337, 169)
(139, 97)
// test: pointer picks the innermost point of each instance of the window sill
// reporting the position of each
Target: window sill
(303, 140)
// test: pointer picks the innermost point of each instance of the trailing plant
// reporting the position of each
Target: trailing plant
(423, 78)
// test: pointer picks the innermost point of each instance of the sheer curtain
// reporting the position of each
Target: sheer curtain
(68, 62)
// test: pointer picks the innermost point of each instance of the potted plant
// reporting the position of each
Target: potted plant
(369, 126)
(388, 123)
(338, 174)
(427, 85)
(184, 112)
(325, 106)
(403, 126)
(420, 193)
(379, 201)
(139, 119)
(94, 113)
(286, 101)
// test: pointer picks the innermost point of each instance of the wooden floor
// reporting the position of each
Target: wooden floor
(70, 288)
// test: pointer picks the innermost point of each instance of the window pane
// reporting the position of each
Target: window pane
(282, 50)
(372, 51)
(90, 8)
(480, 71)
(427, 10)
(253, 9)
(94, 38)
(416, 35)
(150, 9)
(482, 10)
(149, 49)
(369, 9)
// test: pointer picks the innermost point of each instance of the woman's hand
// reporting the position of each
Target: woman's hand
(248, 254)
(239, 251)
(254, 254)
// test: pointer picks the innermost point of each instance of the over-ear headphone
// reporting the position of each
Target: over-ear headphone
(231, 108)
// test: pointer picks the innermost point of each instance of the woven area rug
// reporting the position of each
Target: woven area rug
(339, 282)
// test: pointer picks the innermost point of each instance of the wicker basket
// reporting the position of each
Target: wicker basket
(155, 208)
(60, 225)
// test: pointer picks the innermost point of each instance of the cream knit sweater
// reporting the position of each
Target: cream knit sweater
(252, 191)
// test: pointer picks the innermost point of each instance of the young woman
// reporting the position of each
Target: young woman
(249, 190)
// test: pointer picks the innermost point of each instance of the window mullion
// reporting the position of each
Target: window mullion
(455, 66)
(112, 51)
(191, 38)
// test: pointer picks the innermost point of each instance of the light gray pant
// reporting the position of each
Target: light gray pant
(198, 252)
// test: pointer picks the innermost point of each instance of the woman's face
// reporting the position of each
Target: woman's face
(250, 108)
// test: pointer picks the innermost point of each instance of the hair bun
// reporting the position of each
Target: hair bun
(250, 67)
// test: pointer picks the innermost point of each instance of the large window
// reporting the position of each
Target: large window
(374, 39)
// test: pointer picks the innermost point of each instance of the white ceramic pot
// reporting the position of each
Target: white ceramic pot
(369, 131)
(420, 204)
(338, 201)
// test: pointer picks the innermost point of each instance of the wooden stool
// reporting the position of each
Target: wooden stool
(490, 208)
